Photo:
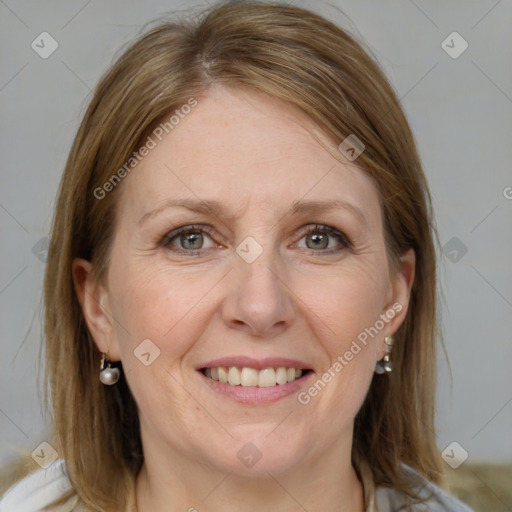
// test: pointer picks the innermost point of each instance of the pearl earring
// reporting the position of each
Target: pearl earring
(108, 375)
(385, 365)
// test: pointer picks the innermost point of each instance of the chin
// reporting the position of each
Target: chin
(256, 451)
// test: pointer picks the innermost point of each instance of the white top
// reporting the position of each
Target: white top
(438, 500)
(40, 488)
(37, 490)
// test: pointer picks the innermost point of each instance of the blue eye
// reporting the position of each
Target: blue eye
(192, 240)
(188, 239)
(322, 238)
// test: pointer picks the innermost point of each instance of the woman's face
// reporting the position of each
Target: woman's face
(242, 247)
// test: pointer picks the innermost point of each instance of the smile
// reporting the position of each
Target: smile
(252, 377)
(252, 381)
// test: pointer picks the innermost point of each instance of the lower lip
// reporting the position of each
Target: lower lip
(253, 395)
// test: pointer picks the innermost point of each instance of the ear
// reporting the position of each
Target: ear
(400, 293)
(93, 299)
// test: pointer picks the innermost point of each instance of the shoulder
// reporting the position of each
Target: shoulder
(37, 490)
(436, 498)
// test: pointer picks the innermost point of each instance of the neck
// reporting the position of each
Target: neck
(176, 483)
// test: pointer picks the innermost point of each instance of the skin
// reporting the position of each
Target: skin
(255, 156)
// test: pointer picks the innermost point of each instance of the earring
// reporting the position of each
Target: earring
(385, 365)
(109, 375)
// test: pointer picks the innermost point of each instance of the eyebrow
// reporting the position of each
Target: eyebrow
(196, 205)
(218, 209)
(305, 207)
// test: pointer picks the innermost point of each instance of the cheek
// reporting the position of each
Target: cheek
(164, 306)
(344, 303)
(344, 308)
(161, 304)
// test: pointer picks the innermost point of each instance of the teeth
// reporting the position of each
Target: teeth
(281, 377)
(223, 374)
(267, 378)
(250, 377)
(234, 376)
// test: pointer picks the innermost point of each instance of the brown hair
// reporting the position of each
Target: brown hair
(306, 61)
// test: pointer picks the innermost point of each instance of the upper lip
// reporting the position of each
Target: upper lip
(258, 364)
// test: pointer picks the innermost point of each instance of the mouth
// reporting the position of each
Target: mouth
(250, 381)
(252, 377)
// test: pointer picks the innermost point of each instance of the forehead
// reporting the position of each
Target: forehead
(241, 147)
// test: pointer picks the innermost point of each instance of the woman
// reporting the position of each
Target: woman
(240, 293)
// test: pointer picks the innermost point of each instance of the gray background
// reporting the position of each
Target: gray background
(460, 110)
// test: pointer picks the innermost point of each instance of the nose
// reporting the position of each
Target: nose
(259, 302)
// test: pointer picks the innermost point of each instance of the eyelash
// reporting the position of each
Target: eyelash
(169, 237)
(317, 228)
